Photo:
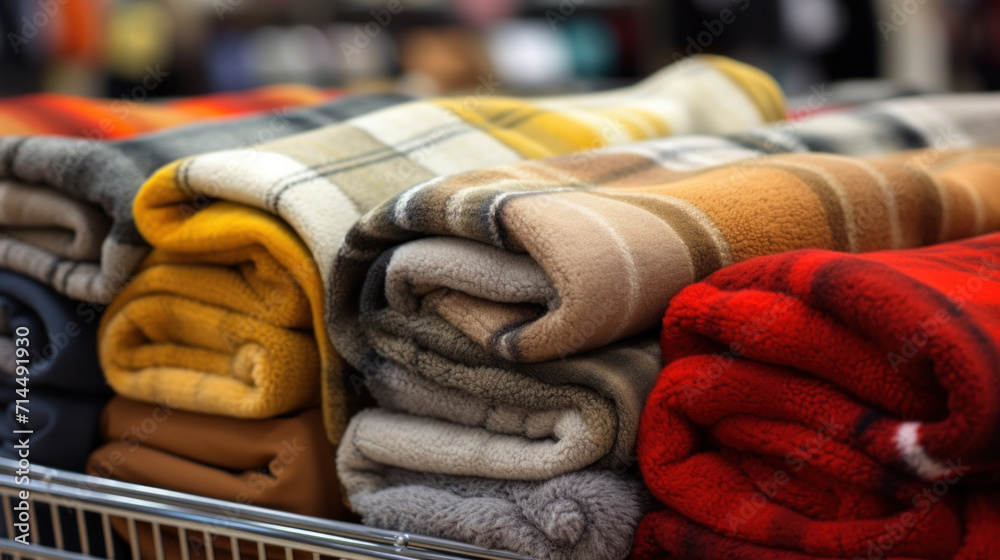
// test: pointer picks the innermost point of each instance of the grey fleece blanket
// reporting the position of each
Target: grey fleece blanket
(66, 203)
(588, 514)
(503, 319)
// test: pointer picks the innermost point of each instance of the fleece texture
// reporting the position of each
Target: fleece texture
(227, 315)
(431, 282)
(582, 515)
(823, 405)
(112, 119)
(67, 202)
(430, 291)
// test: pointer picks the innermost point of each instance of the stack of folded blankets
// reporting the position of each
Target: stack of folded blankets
(276, 458)
(226, 315)
(41, 226)
(653, 321)
(823, 405)
(505, 319)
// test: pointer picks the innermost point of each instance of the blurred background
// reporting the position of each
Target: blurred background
(143, 49)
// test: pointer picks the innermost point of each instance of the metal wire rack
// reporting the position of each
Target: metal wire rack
(80, 517)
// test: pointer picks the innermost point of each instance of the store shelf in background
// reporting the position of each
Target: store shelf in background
(443, 46)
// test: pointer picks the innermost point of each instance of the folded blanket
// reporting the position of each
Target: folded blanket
(454, 298)
(542, 261)
(824, 405)
(583, 515)
(62, 345)
(219, 319)
(66, 203)
(278, 463)
(110, 119)
(64, 426)
(668, 535)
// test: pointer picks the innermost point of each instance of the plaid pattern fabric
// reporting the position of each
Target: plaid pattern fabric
(457, 298)
(112, 119)
(287, 205)
(865, 387)
(630, 188)
(66, 203)
(338, 173)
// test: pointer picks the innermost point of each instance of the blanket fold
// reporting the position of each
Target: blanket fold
(433, 315)
(68, 201)
(279, 463)
(501, 318)
(851, 400)
(588, 514)
(245, 238)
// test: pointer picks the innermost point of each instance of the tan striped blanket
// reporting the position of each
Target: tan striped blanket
(505, 284)
(503, 318)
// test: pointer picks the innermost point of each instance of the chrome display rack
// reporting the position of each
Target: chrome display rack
(78, 512)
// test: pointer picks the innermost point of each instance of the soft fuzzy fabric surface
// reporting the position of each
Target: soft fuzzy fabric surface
(67, 202)
(589, 514)
(483, 309)
(823, 405)
(467, 315)
(219, 320)
(111, 119)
